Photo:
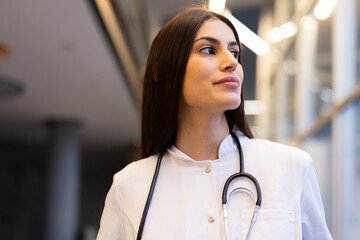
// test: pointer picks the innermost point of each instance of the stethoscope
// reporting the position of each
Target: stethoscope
(240, 174)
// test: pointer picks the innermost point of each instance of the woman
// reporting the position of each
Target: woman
(193, 99)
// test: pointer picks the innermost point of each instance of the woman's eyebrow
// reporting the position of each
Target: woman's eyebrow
(215, 41)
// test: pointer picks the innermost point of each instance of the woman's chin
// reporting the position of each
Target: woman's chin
(230, 104)
(234, 106)
(233, 102)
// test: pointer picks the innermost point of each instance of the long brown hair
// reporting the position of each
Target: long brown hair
(165, 69)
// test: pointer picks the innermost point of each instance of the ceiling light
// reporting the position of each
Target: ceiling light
(274, 35)
(217, 6)
(308, 22)
(247, 37)
(324, 8)
(286, 30)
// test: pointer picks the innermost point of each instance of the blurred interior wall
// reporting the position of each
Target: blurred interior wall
(344, 125)
(316, 105)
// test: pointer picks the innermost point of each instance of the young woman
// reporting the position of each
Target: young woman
(194, 137)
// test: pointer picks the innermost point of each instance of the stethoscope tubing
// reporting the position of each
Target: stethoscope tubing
(238, 175)
(224, 195)
(151, 192)
(242, 173)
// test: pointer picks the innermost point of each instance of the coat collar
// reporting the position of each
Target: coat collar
(227, 147)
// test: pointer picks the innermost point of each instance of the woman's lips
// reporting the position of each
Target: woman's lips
(228, 81)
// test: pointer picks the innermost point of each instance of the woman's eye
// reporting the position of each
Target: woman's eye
(207, 50)
(235, 54)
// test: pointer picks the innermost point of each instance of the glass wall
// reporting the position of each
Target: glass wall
(311, 92)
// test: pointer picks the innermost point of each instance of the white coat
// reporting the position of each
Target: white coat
(186, 204)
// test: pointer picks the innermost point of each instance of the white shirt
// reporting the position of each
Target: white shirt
(186, 204)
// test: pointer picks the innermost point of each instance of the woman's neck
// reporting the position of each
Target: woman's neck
(199, 135)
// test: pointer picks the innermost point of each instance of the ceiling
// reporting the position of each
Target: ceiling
(59, 54)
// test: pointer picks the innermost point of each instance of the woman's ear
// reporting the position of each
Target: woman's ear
(155, 71)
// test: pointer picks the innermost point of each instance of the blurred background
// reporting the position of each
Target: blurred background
(70, 93)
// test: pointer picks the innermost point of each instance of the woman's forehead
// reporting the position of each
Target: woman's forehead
(217, 29)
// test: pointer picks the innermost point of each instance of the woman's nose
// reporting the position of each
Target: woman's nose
(228, 61)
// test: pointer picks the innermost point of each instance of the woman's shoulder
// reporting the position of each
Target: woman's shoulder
(279, 152)
(137, 169)
(131, 185)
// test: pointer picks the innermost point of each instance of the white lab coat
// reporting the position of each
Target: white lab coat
(186, 204)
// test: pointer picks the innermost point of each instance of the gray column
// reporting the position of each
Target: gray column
(63, 184)
(344, 125)
(263, 78)
(305, 56)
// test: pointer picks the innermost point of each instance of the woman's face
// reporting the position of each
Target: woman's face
(213, 76)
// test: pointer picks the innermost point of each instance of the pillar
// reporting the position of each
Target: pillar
(63, 186)
(344, 125)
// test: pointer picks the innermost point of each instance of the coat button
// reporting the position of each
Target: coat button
(208, 169)
(211, 219)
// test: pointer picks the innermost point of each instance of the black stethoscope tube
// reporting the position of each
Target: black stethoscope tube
(240, 174)
(151, 192)
(225, 189)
